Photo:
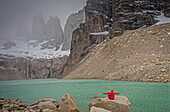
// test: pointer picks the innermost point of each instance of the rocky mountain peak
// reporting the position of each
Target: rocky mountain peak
(54, 30)
(38, 27)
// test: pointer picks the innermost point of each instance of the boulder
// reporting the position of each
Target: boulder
(48, 99)
(14, 107)
(120, 104)
(22, 104)
(68, 104)
(47, 105)
(2, 98)
(2, 101)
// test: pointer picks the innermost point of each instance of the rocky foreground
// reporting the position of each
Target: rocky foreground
(68, 104)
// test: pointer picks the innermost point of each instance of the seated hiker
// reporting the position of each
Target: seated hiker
(111, 94)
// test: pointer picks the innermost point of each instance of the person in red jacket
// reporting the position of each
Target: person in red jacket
(111, 95)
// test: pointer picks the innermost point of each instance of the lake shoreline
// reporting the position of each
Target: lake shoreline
(140, 80)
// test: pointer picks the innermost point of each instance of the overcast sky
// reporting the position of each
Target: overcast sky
(14, 11)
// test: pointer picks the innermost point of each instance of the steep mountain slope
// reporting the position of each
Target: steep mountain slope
(139, 55)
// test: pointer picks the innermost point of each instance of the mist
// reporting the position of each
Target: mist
(13, 12)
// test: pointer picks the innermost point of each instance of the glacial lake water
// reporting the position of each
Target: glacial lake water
(144, 96)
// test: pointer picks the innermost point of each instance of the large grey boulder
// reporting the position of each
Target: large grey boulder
(120, 104)
(44, 105)
(47, 105)
(68, 104)
(49, 99)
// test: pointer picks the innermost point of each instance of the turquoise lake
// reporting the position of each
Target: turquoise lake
(144, 96)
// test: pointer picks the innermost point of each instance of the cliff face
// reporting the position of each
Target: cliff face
(106, 19)
(85, 38)
(22, 68)
(72, 23)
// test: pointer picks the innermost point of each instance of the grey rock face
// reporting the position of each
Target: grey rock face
(73, 21)
(54, 30)
(38, 28)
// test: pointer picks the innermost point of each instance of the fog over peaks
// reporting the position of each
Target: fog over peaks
(14, 11)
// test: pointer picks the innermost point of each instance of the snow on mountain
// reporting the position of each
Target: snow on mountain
(162, 19)
(31, 49)
(100, 33)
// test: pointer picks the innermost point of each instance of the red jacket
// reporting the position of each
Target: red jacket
(111, 94)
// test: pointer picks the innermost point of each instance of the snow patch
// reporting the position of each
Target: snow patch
(100, 33)
(162, 19)
(32, 41)
(161, 46)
